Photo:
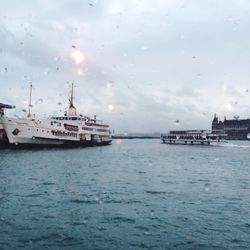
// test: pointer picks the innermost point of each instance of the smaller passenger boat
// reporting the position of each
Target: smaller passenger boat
(194, 137)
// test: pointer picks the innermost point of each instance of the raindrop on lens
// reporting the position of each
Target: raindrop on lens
(177, 122)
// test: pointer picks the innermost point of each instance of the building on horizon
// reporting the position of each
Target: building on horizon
(236, 129)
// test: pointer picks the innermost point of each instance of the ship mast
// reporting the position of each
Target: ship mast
(72, 109)
(29, 113)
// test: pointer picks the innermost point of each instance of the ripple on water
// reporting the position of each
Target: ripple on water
(155, 192)
(121, 219)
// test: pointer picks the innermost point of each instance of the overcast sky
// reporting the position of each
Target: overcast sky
(139, 65)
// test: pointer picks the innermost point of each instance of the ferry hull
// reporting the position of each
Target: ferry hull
(62, 145)
(193, 142)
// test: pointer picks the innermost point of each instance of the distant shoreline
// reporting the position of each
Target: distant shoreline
(135, 137)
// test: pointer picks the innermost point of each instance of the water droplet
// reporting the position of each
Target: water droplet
(110, 84)
(150, 164)
(118, 141)
(228, 107)
(177, 122)
(85, 221)
(152, 212)
(111, 107)
(78, 57)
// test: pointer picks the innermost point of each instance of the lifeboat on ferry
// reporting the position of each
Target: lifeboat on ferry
(72, 128)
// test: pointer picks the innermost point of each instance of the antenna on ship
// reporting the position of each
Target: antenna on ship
(30, 105)
(72, 109)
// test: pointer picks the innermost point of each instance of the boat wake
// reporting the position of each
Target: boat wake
(232, 145)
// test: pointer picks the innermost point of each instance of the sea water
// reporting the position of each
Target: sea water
(134, 194)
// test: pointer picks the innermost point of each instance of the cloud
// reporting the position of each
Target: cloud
(154, 62)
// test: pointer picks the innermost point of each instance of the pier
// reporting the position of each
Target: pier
(3, 138)
(4, 142)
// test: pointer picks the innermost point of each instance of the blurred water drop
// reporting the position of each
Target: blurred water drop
(118, 141)
(85, 221)
(110, 84)
(228, 107)
(152, 212)
(247, 90)
(177, 122)
(5, 69)
(144, 47)
(111, 107)
(59, 104)
(150, 164)
(78, 57)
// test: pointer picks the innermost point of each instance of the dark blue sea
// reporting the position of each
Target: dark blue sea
(134, 194)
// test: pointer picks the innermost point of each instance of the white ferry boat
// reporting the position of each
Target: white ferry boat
(68, 130)
(194, 137)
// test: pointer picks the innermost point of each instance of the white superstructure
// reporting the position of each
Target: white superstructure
(68, 130)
